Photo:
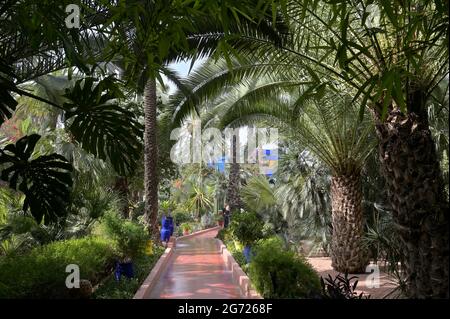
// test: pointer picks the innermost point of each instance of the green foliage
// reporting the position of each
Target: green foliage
(207, 220)
(247, 227)
(258, 195)
(41, 273)
(45, 181)
(277, 273)
(200, 198)
(186, 227)
(225, 235)
(340, 287)
(102, 127)
(167, 206)
(126, 288)
(129, 238)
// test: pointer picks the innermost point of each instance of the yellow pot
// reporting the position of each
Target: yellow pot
(149, 248)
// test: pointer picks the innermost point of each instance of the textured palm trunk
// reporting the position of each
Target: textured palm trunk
(121, 187)
(416, 193)
(233, 196)
(347, 252)
(150, 159)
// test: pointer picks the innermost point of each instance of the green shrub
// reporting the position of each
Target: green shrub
(278, 273)
(224, 235)
(41, 273)
(247, 227)
(186, 227)
(129, 238)
(181, 217)
(239, 257)
(127, 288)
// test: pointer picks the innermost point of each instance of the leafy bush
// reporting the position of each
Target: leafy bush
(186, 227)
(340, 287)
(129, 238)
(225, 236)
(41, 273)
(207, 220)
(247, 227)
(277, 273)
(181, 217)
(127, 288)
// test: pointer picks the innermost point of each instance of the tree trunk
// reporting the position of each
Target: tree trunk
(233, 190)
(410, 166)
(347, 252)
(121, 187)
(150, 159)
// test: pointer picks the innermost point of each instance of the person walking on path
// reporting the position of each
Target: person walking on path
(226, 216)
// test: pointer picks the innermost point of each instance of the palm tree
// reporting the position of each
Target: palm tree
(390, 67)
(148, 35)
(328, 127)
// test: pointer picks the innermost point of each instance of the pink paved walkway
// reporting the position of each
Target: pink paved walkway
(196, 271)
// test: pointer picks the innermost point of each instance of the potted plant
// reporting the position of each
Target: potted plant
(186, 228)
(130, 240)
(247, 228)
(219, 219)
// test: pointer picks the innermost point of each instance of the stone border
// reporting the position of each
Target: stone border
(239, 276)
(156, 272)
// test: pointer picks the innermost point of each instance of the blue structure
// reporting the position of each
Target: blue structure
(219, 165)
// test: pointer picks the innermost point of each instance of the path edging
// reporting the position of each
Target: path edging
(239, 276)
(156, 272)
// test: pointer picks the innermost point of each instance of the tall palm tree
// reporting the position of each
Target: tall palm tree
(150, 34)
(390, 67)
(328, 126)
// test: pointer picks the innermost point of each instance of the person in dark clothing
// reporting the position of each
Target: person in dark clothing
(226, 216)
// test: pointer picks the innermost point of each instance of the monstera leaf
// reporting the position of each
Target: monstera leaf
(101, 126)
(7, 102)
(46, 181)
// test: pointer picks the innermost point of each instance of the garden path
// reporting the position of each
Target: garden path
(196, 271)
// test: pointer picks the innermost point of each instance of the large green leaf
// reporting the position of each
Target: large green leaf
(46, 181)
(103, 127)
(7, 102)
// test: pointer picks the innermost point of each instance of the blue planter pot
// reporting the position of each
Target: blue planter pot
(165, 234)
(247, 253)
(125, 269)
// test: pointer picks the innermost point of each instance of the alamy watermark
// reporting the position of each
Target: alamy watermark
(73, 279)
(73, 19)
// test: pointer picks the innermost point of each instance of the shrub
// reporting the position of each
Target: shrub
(129, 238)
(41, 273)
(186, 227)
(341, 287)
(181, 217)
(127, 288)
(278, 273)
(225, 235)
(247, 227)
(207, 220)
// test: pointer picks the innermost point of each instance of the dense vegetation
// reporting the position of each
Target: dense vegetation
(358, 91)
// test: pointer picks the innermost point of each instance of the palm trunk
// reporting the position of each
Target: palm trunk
(233, 195)
(150, 159)
(416, 193)
(347, 252)
(121, 187)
